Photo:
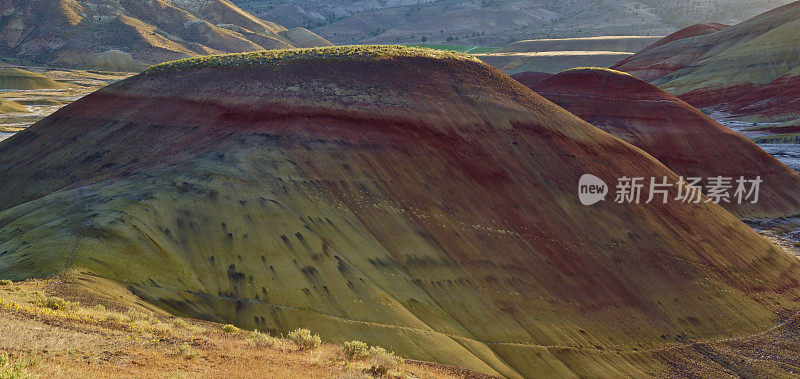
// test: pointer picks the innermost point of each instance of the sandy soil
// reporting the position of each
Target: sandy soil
(122, 341)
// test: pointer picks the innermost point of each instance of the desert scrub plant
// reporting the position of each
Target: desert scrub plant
(304, 339)
(382, 362)
(55, 303)
(355, 350)
(185, 351)
(262, 339)
(6, 282)
(134, 315)
(16, 368)
(228, 328)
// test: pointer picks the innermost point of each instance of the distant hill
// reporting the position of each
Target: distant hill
(333, 189)
(750, 70)
(680, 136)
(554, 55)
(497, 22)
(132, 34)
(17, 79)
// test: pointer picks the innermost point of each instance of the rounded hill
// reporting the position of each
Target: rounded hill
(680, 136)
(17, 79)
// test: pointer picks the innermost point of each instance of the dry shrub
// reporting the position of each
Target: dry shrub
(54, 302)
(262, 339)
(134, 315)
(382, 362)
(355, 350)
(186, 351)
(304, 339)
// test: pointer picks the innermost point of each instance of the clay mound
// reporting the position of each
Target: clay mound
(531, 78)
(332, 189)
(113, 60)
(7, 106)
(80, 33)
(778, 100)
(680, 136)
(17, 79)
(715, 69)
(689, 32)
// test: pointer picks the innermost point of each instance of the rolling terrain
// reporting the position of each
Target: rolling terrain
(497, 22)
(334, 190)
(556, 55)
(33, 93)
(748, 71)
(130, 35)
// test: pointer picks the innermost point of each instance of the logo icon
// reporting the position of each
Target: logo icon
(591, 189)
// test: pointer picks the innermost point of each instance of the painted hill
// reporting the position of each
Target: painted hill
(531, 78)
(680, 136)
(332, 189)
(655, 62)
(717, 69)
(132, 34)
(16, 79)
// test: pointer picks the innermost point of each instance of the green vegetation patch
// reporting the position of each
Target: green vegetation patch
(272, 58)
(601, 69)
(470, 49)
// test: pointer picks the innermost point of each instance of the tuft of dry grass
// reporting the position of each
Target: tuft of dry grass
(179, 323)
(186, 351)
(18, 368)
